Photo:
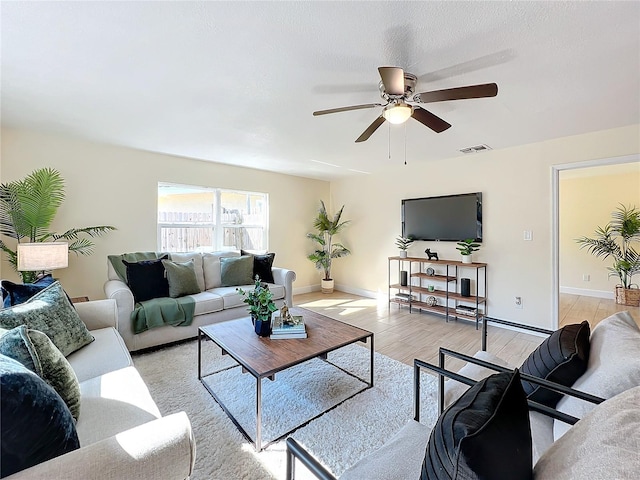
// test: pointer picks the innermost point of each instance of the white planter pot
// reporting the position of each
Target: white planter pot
(467, 259)
(327, 286)
(403, 254)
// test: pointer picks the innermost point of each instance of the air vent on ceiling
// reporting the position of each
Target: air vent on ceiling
(477, 148)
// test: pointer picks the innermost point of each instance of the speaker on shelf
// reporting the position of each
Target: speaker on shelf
(465, 287)
(403, 278)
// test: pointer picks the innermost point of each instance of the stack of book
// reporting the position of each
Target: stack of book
(405, 297)
(283, 330)
(465, 310)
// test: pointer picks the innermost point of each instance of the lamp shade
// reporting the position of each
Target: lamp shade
(397, 113)
(35, 257)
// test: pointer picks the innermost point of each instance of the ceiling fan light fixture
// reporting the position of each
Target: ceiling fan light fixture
(397, 113)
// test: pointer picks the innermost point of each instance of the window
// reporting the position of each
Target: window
(192, 218)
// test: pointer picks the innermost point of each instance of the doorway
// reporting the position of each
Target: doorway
(573, 282)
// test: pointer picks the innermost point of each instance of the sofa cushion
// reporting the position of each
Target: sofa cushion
(207, 302)
(50, 312)
(211, 267)
(407, 444)
(17, 293)
(262, 264)
(146, 279)
(116, 268)
(613, 367)
(197, 265)
(113, 403)
(236, 271)
(181, 277)
(106, 354)
(603, 444)
(36, 351)
(36, 424)
(561, 358)
(484, 435)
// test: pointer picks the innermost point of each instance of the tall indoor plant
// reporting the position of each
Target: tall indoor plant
(327, 227)
(615, 240)
(27, 208)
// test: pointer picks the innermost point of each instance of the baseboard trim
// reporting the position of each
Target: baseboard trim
(307, 289)
(588, 293)
(357, 291)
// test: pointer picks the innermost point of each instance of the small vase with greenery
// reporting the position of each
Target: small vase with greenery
(327, 250)
(261, 306)
(615, 240)
(403, 243)
(27, 209)
(466, 249)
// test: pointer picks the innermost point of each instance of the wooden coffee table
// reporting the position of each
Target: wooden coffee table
(264, 358)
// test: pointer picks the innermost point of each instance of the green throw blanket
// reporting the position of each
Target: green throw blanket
(159, 311)
(163, 311)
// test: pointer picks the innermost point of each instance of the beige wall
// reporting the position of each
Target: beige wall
(587, 198)
(108, 185)
(517, 195)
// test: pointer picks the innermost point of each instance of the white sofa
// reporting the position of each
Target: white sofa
(214, 304)
(121, 431)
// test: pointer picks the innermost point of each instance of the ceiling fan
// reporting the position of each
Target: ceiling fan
(397, 89)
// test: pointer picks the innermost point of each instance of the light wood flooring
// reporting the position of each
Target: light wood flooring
(576, 308)
(404, 336)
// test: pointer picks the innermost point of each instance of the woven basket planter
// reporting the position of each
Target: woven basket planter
(628, 296)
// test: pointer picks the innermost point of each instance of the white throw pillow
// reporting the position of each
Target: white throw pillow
(211, 267)
(614, 366)
(603, 445)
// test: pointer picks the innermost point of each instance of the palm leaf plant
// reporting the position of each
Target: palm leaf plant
(327, 227)
(615, 240)
(403, 243)
(27, 209)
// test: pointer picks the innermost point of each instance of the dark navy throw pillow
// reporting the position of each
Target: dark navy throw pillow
(36, 424)
(17, 293)
(147, 279)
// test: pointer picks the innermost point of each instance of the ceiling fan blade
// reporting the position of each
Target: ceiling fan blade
(459, 93)
(346, 109)
(393, 80)
(432, 121)
(370, 129)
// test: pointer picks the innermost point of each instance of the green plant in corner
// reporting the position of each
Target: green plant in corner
(468, 246)
(27, 209)
(260, 300)
(328, 250)
(615, 240)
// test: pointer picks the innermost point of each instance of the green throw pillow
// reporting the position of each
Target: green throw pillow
(50, 312)
(35, 351)
(181, 277)
(236, 271)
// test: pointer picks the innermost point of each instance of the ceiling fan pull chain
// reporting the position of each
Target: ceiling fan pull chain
(405, 143)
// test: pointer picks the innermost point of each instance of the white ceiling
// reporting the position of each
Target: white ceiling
(236, 82)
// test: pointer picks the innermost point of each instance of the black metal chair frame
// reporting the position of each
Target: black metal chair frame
(296, 452)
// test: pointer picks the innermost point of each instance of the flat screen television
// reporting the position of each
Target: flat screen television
(450, 218)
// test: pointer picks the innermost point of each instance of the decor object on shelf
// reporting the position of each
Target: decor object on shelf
(431, 255)
(615, 240)
(261, 306)
(27, 208)
(430, 271)
(404, 278)
(466, 249)
(323, 256)
(403, 243)
(431, 301)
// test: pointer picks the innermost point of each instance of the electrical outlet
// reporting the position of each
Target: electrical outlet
(586, 277)
(518, 302)
(528, 235)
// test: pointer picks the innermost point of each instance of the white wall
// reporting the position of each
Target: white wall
(109, 185)
(517, 195)
(586, 199)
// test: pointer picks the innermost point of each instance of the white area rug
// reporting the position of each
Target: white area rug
(339, 438)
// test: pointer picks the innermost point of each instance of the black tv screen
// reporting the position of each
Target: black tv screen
(449, 218)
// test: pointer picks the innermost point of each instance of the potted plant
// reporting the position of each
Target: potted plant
(466, 249)
(27, 208)
(615, 240)
(261, 306)
(403, 244)
(327, 250)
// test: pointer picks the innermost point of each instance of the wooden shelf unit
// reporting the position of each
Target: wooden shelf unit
(446, 281)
